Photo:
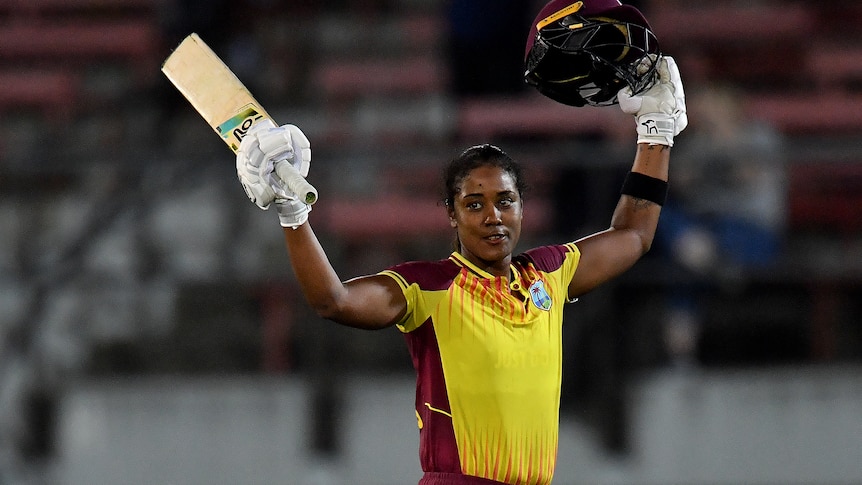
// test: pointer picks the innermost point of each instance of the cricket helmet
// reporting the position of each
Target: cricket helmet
(584, 52)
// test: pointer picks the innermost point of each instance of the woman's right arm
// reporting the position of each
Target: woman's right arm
(368, 302)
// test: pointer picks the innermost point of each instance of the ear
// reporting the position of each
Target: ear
(452, 222)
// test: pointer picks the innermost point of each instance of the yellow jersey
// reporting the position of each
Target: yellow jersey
(488, 356)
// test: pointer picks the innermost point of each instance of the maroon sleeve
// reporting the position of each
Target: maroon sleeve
(546, 258)
(429, 275)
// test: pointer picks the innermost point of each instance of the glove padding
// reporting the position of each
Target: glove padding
(660, 110)
(263, 147)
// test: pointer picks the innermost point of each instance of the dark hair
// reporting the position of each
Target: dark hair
(478, 156)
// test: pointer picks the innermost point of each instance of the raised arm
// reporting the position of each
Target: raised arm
(369, 302)
(609, 253)
(660, 115)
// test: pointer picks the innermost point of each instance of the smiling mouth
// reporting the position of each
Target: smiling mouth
(496, 237)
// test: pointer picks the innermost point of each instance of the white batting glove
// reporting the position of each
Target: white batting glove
(264, 146)
(292, 212)
(660, 110)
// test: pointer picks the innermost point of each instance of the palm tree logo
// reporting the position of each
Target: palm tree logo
(540, 296)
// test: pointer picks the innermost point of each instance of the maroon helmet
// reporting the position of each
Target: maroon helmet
(584, 52)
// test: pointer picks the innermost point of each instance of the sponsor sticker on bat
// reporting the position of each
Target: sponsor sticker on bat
(235, 129)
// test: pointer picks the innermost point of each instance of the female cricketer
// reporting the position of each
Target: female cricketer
(483, 326)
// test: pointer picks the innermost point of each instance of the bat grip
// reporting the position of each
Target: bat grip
(296, 183)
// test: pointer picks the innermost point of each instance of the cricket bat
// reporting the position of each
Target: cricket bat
(224, 102)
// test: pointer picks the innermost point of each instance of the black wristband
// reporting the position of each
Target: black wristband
(645, 187)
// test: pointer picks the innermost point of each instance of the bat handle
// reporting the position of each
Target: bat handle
(296, 183)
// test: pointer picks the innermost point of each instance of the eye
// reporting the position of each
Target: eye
(506, 202)
(473, 206)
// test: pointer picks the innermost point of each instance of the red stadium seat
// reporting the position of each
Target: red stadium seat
(825, 113)
(728, 22)
(834, 65)
(535, 115)
(338, 79)
(51, 91)
(30, 8)
(132, 39)
(826, 196)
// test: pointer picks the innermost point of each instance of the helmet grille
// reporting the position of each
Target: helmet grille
(580, 61)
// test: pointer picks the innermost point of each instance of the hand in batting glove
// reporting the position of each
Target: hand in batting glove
(264, 146)
(292, 212)
(660, 110)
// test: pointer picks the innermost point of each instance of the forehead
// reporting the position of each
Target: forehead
(488, 178)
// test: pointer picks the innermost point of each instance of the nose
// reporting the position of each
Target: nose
(492, 218)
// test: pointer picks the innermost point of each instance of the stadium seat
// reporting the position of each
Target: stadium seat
(338, 79)
(827, 113)
(534, 115)
(53, 92)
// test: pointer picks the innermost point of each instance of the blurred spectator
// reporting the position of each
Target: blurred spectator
(727, 205)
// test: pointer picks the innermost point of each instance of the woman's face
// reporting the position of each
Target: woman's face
(487, 214)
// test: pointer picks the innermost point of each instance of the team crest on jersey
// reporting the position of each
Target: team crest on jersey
(540, 296)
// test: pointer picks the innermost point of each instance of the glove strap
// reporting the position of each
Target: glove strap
(656, 129)
(292, 213)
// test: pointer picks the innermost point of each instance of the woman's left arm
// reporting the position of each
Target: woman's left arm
(660, 114)
(607, 254)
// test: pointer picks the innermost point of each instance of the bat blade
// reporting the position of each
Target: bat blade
(222, 100)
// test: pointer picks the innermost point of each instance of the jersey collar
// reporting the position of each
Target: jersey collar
(460, 260)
